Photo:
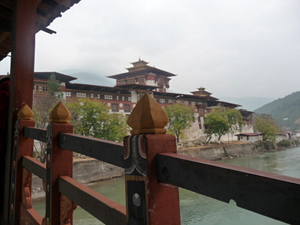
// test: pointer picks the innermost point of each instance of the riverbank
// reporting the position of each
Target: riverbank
(235, 149)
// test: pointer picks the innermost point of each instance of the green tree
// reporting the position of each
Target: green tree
(54, 87)
(92, 118)
(235, 120)
(267, 126)
(180, 119)
(216, 123)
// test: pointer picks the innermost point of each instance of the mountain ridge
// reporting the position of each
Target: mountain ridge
(286, 110)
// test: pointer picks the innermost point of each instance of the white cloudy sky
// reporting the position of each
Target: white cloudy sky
(233, 48)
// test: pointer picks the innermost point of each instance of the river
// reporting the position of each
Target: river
(195, 208)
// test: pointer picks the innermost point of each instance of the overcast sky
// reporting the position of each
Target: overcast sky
(233, 48)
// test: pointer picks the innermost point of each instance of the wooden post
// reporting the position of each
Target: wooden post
(22, 147)
(22, 76)
(148, 202)
(59, 163)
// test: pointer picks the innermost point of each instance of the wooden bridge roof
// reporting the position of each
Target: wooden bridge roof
(47, 11)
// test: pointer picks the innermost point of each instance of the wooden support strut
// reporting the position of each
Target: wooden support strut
(59, 163)
(148, 202)
(22, 76)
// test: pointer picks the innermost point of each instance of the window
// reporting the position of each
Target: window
(193, 103)
(178, 101)
(80, 95)
(127, 108)
(46, 88)
(131, 81)
(92, 95)
(170, 101)
(43, 88)
(68, 94)
(201, 110)
(37, 87)
(141, 80)
(107, 96)
(162, 100)
(123, 98)
(115, 107)
(186, 102)
(117, 97)
(160, 81)
(129, 99)
(40, 88)
(98, 96)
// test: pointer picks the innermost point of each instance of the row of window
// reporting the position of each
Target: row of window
(170, 101)
(41, 88)
(115, 107)
(118, 98)
(107, 97)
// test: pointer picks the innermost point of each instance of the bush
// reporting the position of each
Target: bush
(266, 145)
(284, 143)
(273, 146)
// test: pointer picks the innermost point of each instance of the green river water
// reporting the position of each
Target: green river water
(198, 209)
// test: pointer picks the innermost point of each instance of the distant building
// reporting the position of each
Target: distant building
(130, 88)
(250, 137)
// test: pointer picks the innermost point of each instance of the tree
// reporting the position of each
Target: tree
(235, 120)
(92, 118)
(267, 126)
(42, 107)
(54, 87)
(180, 118)
(221, 121)
(216, 123)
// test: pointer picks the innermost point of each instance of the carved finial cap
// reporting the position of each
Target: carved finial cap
(25, 113)
(148, 117)
(60, 114)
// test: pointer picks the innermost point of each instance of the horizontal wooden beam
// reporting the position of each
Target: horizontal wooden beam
(35, 133)
(34, 166)
(271, 195)
(96, 204)
(107, 151)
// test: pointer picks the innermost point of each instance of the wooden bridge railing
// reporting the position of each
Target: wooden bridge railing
(153, 173)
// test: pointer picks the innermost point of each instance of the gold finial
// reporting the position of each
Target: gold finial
(148, 117)
(25, 113)
(60, 114)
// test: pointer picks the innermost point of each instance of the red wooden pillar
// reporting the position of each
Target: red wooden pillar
(22, 147)
(22, 75)
(59, 163)
(148, 202)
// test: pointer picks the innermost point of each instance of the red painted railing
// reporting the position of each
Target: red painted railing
(150, 162)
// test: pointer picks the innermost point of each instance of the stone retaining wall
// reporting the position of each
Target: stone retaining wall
(84, 171)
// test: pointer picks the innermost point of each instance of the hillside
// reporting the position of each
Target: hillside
(286, 110)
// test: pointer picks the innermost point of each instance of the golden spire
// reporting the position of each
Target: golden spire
(148, 117)
(60, 114)
(25, 113)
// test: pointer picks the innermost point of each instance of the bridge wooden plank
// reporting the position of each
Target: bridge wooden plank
(35, 133)
(29, 216)
(96, 204)
(107, 151)
(272, 195)
(34, 166)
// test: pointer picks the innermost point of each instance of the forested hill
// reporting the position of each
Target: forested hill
(286, 110)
